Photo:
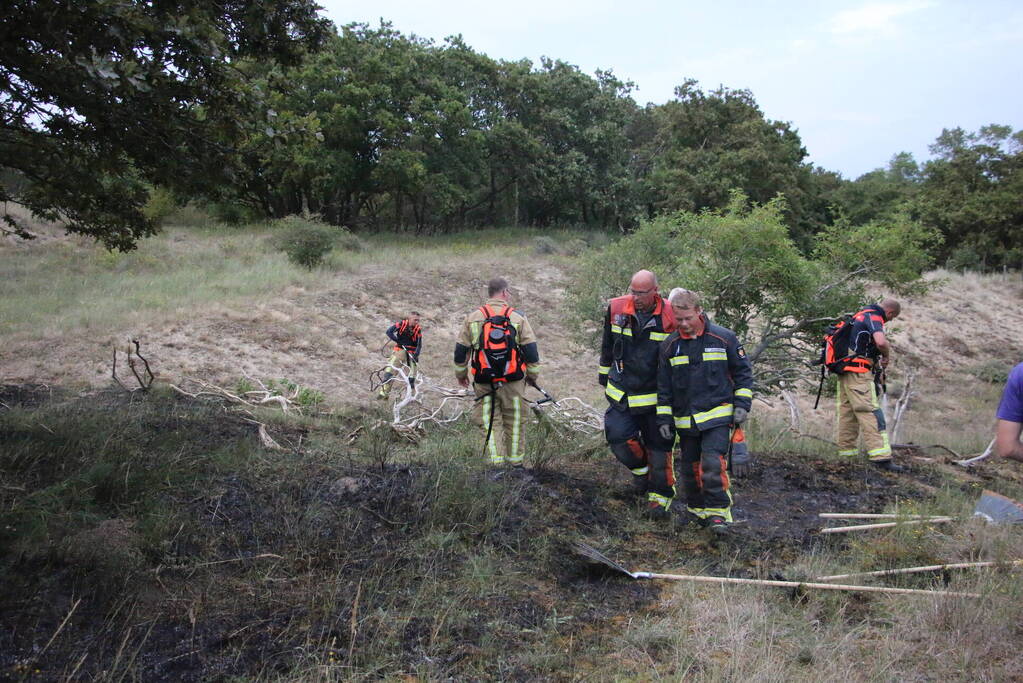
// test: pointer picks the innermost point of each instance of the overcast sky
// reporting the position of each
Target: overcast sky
(859, 80)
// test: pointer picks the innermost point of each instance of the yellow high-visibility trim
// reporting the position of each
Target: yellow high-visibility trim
(658, 336)
(683, 422)
(515, 456)
(717, 512)
(679, 360)
(618, 329)
(641, 471)
(663, 501)
(744, 393)
(642, 400)
(715, 355)
(713, 413)
(495, 458)
(848, 452)
(614, 392)
(604, 369)
(664, 410)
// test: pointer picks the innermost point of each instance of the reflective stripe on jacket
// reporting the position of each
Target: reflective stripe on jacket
(628, 353)
(700, 381)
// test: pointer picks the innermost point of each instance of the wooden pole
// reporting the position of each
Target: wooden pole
(798, 584)
(886, 525)
(916, 570)
(874, 515)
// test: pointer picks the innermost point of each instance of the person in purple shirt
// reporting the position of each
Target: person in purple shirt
(1010, 417)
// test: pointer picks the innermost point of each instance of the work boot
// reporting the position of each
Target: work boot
(382, 395)
(658, 512)
(887, 466)
(639, 484)
(717, 524)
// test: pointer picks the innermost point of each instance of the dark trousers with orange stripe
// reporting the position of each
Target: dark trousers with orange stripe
(633, 438)
(704, 469)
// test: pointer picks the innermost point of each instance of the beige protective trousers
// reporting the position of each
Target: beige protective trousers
(509, 407)
(859, 414)
(399, 358)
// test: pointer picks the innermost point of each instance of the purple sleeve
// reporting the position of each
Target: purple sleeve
(1011, 407)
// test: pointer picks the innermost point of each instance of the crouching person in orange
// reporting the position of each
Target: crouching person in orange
(704, 387)
(498, 344)
(408, 342)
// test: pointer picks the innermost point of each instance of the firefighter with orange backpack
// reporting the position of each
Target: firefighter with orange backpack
(407, 336)
(634, 327)
(863, 347)
(704, 392)
(498, 346)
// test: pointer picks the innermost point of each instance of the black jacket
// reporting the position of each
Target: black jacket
(411, 339)
(628, 354)
(700, 381)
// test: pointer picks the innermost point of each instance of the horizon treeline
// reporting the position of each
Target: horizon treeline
(376, 130)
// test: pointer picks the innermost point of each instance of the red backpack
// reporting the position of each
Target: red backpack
(497, 358)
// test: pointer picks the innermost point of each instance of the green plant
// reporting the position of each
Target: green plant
(305, 241)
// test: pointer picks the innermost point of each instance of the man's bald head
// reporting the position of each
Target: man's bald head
(643, 289)
(892, 308)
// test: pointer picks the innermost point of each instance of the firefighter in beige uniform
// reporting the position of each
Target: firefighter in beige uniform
(498, 345)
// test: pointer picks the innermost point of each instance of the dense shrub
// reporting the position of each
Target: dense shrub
(306, 242)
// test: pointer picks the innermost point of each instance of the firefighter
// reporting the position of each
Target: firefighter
(498, 345)
(407, 336)
(634, 327)
(704, 389)
(859, 413)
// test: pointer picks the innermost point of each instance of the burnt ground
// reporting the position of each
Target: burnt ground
(185, 552)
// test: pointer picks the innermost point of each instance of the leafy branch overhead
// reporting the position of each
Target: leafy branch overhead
(99, 98)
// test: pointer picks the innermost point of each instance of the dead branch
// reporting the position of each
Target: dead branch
(901, 405)
(144, 380)
(971, 461)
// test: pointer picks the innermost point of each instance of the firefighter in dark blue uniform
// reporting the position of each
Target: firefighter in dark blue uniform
(634, 327)
(704, 388)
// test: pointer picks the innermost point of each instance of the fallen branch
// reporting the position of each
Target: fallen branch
(885, 525)
(987, 453)
(917, 570)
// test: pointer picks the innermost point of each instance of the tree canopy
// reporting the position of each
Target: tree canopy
(100, 97)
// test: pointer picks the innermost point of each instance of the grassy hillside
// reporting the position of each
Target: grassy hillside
(152, 536)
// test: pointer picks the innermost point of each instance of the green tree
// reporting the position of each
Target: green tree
(708, 144)
(754, 278)
(973, 193)
(881, 193)
(102, 96)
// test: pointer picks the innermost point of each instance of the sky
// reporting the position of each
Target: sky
(859, 80)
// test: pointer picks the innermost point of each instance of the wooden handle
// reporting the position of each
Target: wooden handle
(885, 525)
(799, 584)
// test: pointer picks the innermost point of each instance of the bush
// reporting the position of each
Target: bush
(305, 241)
(160, 205)
(545, 245)
(993, 371)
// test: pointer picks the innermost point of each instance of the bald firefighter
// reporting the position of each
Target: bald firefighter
(498, 346)
(704, 389)
(859, 412)
(634, 327)
(407, 336)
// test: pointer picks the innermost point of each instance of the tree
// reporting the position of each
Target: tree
(708, 144)
(755, 280)
(99, 97)
(881, 193)
(973, 193)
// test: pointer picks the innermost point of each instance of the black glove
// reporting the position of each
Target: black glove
(602, 379)
(739, 415)
(411, 382)
(666, 431)
(742, 463)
